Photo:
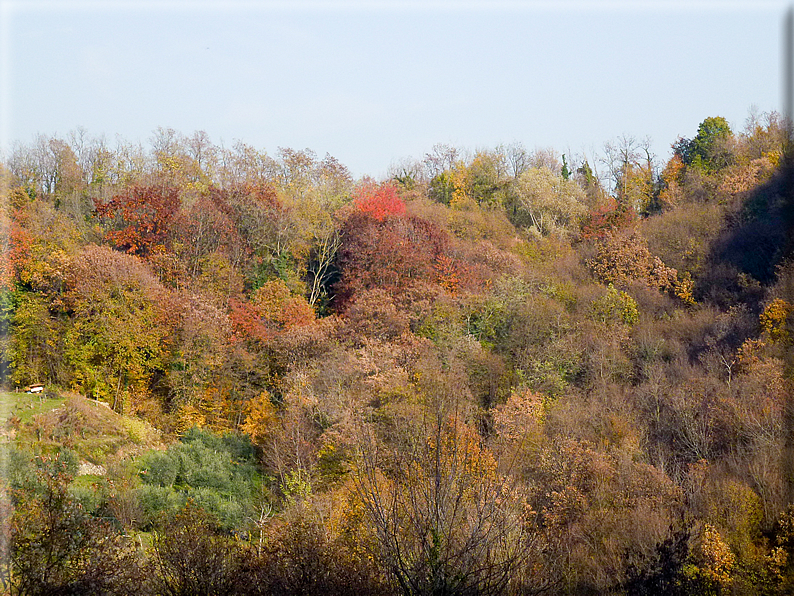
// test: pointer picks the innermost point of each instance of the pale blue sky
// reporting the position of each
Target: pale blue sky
(375, 82)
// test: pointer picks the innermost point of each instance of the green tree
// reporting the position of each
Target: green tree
(121, 323)
(710, 150)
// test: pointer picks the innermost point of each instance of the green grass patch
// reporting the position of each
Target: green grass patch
(90, 428)
(25, 405)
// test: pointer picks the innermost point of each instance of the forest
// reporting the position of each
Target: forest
(493, 371)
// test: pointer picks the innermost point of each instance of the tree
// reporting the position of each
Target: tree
(122, 323)
(447, 521)
(389, 253)
(192, 557)
(622, 258)
(203, 228)
(711, 149)
(57, 549)
(378, 201)
(548, 203)
(565, 172)
(140, 216)
(631, 169)
(199, 350)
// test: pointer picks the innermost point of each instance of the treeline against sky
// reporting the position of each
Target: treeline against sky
(494, 372)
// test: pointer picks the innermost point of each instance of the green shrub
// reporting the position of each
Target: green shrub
(616, 306)
(217, 472)
(154, 501)
(90, 497)
(159, 468)
(202, 466)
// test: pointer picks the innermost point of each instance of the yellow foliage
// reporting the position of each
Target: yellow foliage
(683, 288)
(717, 559)
(521, 417)
(748, 353)
(260, 418)
(671, 193)
(460, 180)
(190, 416)
(214, 409)
(774, 319)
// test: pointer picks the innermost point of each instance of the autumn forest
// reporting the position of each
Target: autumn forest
(493, 371)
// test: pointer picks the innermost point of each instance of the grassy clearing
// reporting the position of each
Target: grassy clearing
(26, 405)
(89, 428)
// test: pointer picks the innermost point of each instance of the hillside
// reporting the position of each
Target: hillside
(491, 373)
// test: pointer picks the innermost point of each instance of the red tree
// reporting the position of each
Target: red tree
(389, 253)
(379, 201)
(141, 217)
(607, 218)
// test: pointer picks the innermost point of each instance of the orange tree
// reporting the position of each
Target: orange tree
(140, 217)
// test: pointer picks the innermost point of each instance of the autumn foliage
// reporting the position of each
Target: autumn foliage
(141, 216)
(391, 253)
(608, 218)
(378, 201)
(492, 373)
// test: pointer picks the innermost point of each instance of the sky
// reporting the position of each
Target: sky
(376, 82)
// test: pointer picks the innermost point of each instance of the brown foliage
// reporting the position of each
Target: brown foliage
(302, 555)
(623, 258)
(56, 548)
(607, 511)
(191, 557)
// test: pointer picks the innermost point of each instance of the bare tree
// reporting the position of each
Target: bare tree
(447, 521)
(631, 170)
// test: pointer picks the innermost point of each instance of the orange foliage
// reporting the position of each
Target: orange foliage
(607, 219)
(448, 274)
(622, 258)
(280, 309)
(19, 258)
(260, 418)
(671, 193)
(145, 213)
(246, 319)
(271, 310)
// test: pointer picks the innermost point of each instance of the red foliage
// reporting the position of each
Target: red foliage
(389, 254)
(263, 195)
(607, 218)
(19, 257)
(379, 201)
(247, 322)
(143, 215)
(203, 228)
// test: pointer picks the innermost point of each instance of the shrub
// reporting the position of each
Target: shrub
(218, 472)
(616, 306)
(158, 468)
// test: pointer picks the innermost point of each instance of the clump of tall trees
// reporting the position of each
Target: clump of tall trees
(499, 372)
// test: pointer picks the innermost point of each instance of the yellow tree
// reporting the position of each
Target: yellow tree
(547, 203)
